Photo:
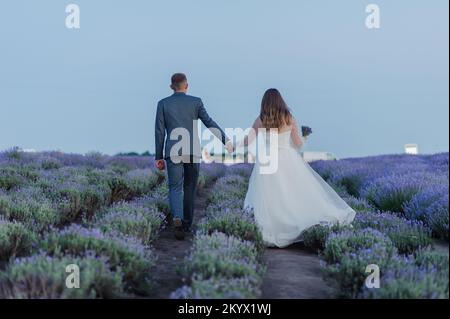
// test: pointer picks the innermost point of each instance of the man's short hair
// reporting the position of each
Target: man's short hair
(178, 79)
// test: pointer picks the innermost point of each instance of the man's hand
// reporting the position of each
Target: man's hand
(160, 164)
(229, 147)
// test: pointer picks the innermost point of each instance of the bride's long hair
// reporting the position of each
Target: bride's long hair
(274, 111)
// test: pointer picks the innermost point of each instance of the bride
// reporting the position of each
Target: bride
(293, 197)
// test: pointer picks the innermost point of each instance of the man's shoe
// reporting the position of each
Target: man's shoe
(178, 227)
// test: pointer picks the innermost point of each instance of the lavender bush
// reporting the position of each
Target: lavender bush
(30, 207)
(158, 198)
(132, 220)
(79, 193)
(219, 255)
(352, 241)
(349, 272)
(14, 177)
(431, 207)
(126, 255)
(44, 277)
(424, 276)
(358, 204)
(230, 187)
(41, 193)
(132, 184)
(407, 235)
(141, 181)
(219, 288)
(415, 187)
(15, 240)
(238, 223)
(391, 192)
(209, 173)
(243, 170)
(316, 236)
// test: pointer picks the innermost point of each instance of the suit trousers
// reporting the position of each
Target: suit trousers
(183, 178)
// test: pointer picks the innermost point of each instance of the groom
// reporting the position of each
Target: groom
(177, 116)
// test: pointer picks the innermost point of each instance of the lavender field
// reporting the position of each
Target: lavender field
(106, 215)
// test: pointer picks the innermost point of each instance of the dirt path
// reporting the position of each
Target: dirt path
(293, 273)
(171, 253)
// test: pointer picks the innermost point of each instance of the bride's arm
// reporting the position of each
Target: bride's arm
(295, 135)
(251, 136)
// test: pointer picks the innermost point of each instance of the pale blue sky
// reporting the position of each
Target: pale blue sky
(363, 91)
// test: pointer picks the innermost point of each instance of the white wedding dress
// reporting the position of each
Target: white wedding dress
(292, 199)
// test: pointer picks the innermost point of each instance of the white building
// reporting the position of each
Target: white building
(412, 149)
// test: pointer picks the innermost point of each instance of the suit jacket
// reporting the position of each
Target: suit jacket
(176, 115)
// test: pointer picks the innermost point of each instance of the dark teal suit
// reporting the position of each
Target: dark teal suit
(182, 111)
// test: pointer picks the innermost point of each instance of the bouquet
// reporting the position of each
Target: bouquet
(306, 131)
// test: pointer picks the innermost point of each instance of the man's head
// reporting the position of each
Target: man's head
(179, 82)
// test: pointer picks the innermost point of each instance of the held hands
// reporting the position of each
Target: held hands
(229, 147)
(160, 164)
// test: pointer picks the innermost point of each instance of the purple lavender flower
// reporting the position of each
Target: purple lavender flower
(407, 235)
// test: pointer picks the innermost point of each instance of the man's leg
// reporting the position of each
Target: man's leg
(191, 171)
(175, 177)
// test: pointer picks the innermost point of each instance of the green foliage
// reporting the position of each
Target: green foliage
(219, 288)
(30, 207)
(50, 163)
(132, 221)
(77, 193)
(15, 240)
(126, 256)
(219, 255)
(315, 237)
(14, 177)
(234, 223)
(352, 184)
(424, 277)
(232, 187)
(141, 181)
(44, 277)
(359, 204)
(353, 241)
(408, 236)
(133, 184)
(349, 272)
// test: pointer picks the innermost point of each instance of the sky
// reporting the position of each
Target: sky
(363, 91)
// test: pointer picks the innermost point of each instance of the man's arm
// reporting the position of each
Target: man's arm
(160, 132)
(210, 124)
